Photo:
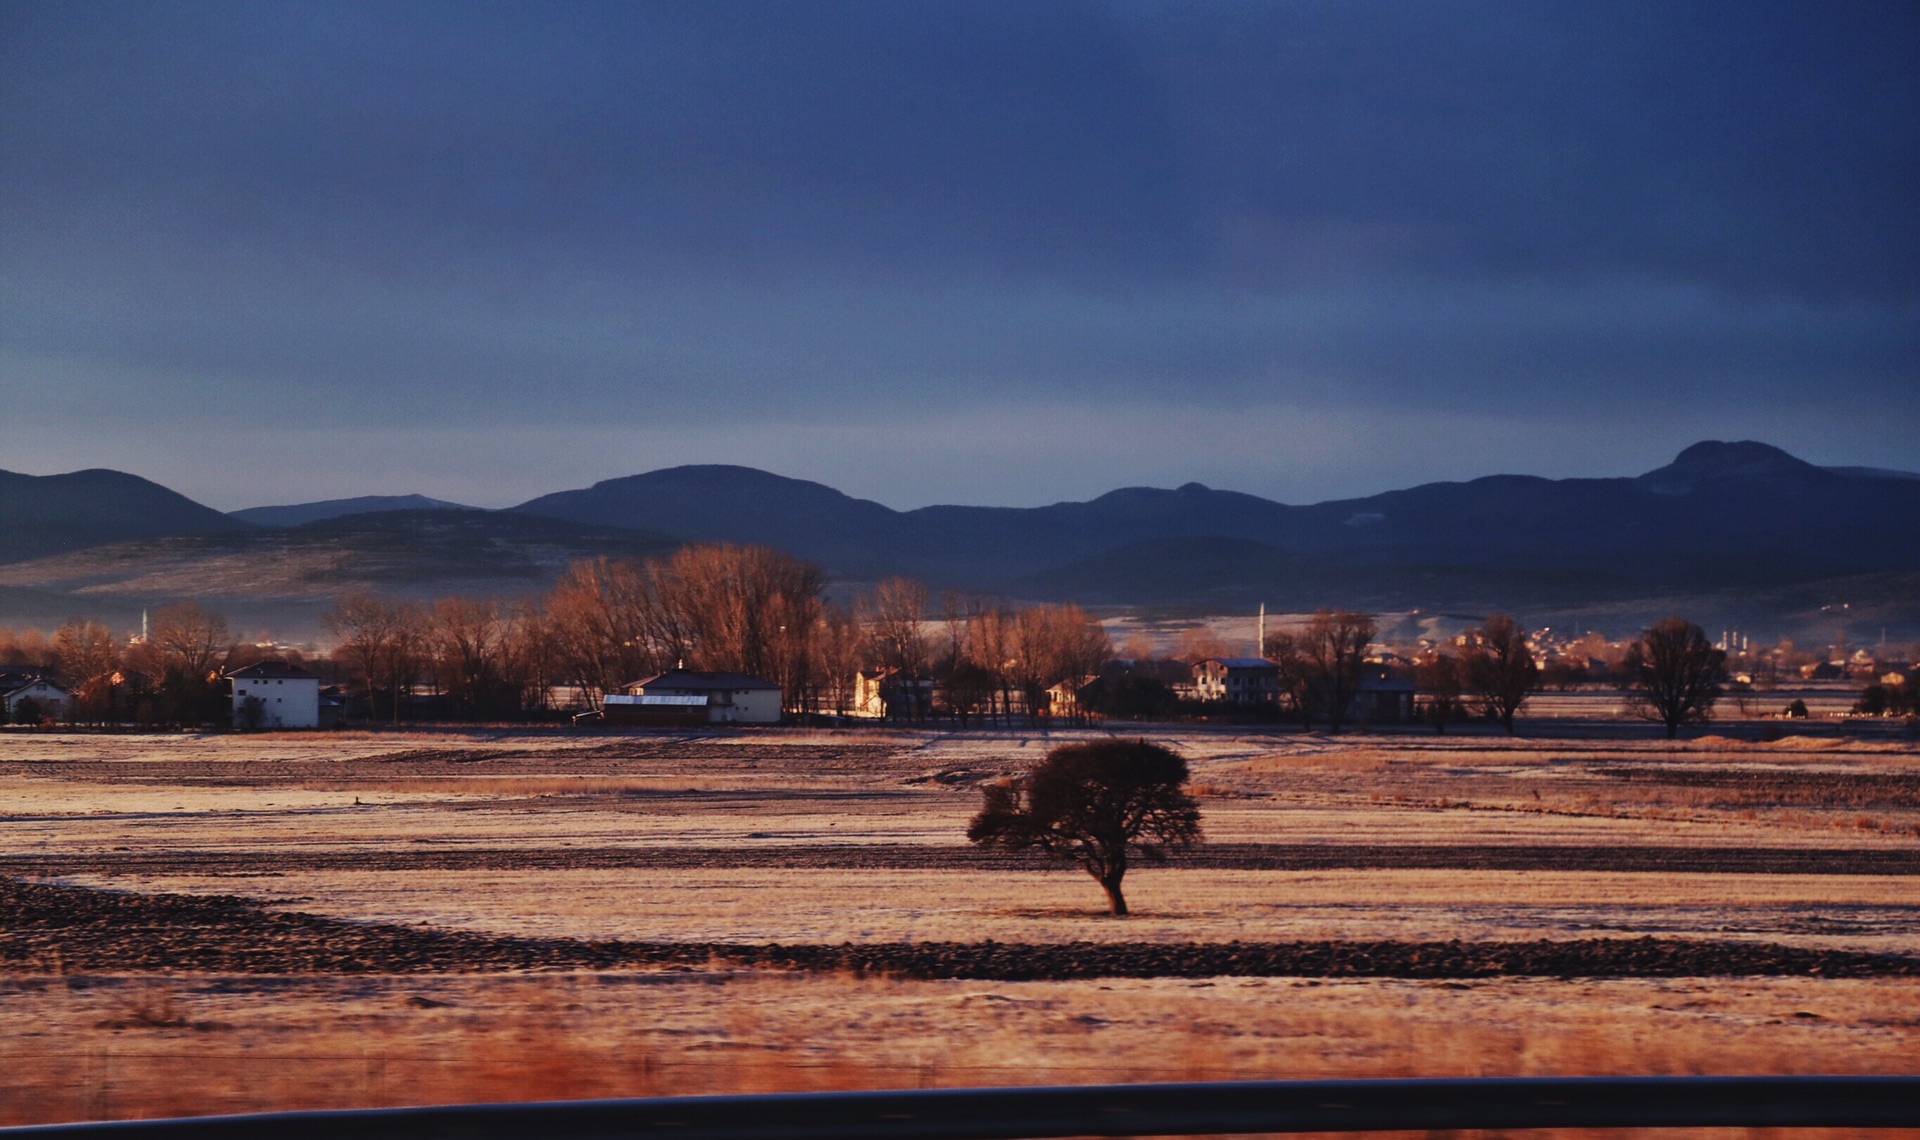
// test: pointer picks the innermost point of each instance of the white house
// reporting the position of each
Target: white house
(1238, 680)
(49, 698)
(731, 698)
(274, 694)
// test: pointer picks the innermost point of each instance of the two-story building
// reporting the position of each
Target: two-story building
(274, 694)
(1237, 680)
(30, 696)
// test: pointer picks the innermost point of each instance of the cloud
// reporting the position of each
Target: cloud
(713, 218)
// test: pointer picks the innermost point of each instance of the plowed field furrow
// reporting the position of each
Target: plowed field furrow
(58, 929)
(1223, 856)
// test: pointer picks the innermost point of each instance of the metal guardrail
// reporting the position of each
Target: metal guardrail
(1108, 1110)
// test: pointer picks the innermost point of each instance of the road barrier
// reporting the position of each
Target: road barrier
(1108, 1110)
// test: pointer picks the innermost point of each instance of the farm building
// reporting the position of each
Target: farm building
(657, 710)
(728, 698)
(274, 694)
(1237, 680)
(1383, 699)
(31, 694)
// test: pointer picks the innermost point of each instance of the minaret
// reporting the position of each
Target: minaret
(143, 625)
(1260, 637)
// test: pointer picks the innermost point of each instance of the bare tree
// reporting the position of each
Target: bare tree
(382, 642)
(1035, 659)
(1294, 675)
(530, 657)
(716, 607)
(1676, 674)
(190, 637)
(24, 647)
(838, 650)
(991, 643)
(86, 656)
(467, 639)
(1500, 669)
(970, 689)
(894, 614)
(602, 615)
(1334, 647)
(1094, 803)
(186, 647)
(1440, 679)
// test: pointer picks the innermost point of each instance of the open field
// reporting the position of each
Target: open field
(1472, 847)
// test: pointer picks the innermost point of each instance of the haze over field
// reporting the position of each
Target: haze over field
(1742, 533)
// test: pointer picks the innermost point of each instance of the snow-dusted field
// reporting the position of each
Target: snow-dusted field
(827, 837)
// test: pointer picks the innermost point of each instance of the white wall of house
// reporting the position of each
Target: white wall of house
(285, 702)
(744, 706)
(51, 698)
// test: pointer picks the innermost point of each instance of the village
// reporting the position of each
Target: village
(887, 660)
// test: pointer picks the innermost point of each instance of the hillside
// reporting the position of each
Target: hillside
(46, 514)
(1740, 528)
(1720, 514)
(422, 553)
(299, 514)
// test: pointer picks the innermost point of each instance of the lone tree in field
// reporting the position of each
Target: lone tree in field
(1500, 668)
(1676, 672)
(1093, 803)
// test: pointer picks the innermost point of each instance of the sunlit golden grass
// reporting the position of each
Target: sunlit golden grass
(244, 1045)
(1171, 904)
(159, 1045)
(528, 785)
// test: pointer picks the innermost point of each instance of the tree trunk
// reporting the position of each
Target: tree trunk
(1116, 902)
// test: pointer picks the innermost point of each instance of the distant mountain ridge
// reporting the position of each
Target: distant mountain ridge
(297, 514)
(1721, 516)
(46, 514)
(1736, 513)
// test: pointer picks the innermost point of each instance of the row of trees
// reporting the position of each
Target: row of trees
(1674, 675)
(608, 623)
(1321, 667)
(170, 677)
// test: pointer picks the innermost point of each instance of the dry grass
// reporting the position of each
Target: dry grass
(1171, 904)
(318, 1043)
(121, 1047)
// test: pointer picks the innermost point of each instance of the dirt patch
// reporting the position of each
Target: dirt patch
(58, 929)
(1742, 786)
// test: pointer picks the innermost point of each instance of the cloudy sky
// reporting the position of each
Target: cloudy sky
(932, 252)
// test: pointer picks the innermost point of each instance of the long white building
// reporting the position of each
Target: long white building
(731, 698)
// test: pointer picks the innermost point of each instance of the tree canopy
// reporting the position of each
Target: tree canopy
(1095, 803)
(1677, 673)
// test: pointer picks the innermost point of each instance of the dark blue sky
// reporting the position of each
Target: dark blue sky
(1003, 253)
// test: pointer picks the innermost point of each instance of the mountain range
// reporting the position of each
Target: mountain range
(1719, 514)
(298, 514)
(1721, 517)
